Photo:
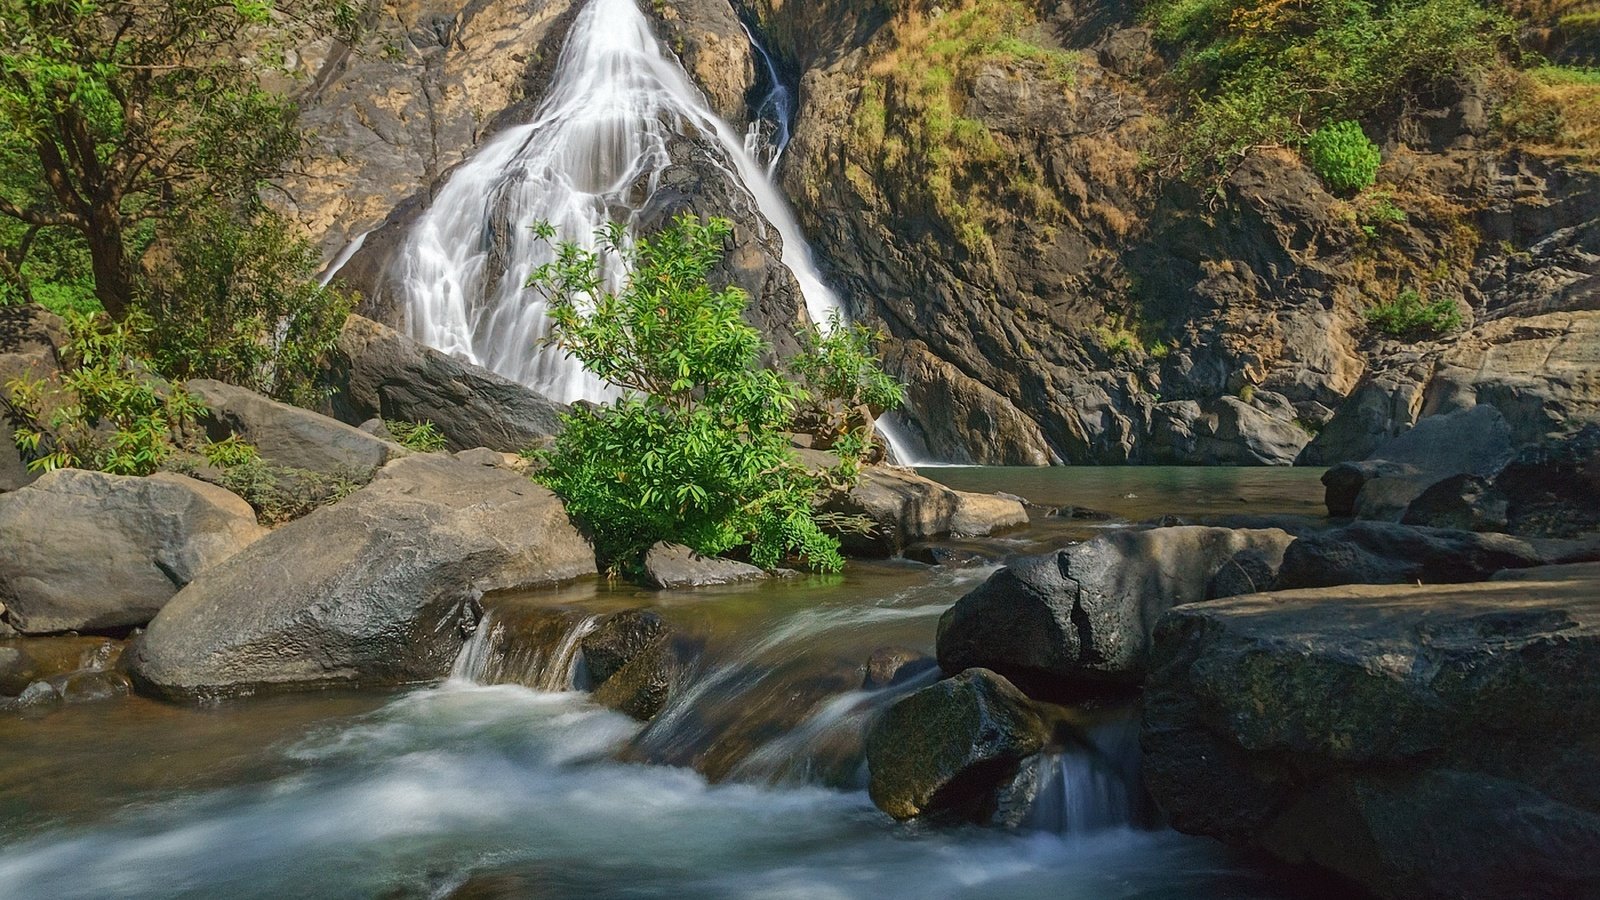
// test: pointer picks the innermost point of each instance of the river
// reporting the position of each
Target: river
(748, 784)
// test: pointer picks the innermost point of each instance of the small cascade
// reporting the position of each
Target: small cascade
(594, 153)
(1084, 789)
(772, 120)
(539, 650)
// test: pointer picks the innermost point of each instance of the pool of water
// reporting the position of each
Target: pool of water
(747, 785)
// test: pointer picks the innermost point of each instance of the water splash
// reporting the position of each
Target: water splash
(545, 655)
(594, 153)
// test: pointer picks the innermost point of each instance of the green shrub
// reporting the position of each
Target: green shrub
(239, 301)
(280, 494)
(422, 437)
(107, 412)
(845, 390)
(1344, 156)
(697, 450)
(1410, 315)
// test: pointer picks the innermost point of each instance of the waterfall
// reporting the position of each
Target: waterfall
(593, 153)
(775, 111)
(542, 652)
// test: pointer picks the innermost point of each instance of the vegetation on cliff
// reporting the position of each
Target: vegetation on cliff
(697, 450)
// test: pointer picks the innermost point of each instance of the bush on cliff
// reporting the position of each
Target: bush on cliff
(696, 450)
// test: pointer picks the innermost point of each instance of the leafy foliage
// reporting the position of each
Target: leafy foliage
(107, 412)
(239, 302)
(422, 437)
(845, 390)
(280, 494)
(1410, 315)
(696, 451)
(1343, 155)
(1273, 72)
(117, 116)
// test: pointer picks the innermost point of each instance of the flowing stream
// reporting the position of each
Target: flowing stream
(594, 153)
(505, 780)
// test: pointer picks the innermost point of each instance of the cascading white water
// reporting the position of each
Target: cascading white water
(593, 154)
(770, 127)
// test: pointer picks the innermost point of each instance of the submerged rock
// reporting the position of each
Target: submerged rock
(383, 373)
(1424, 741)
(289, 436)
(890, 666)
(948, 747)
(379, 588)
(675, 567)
(1083, 615)
(88, 551)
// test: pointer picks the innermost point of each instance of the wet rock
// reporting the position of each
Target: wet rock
(380, 372)
(381, 587)
(1423, 741)
(642, 687)
(617, 639)
(289, 436)
(674, 567)
(1389, 553)
(1082, 616)
(951, 556)
(948, 747)
(24, 661)
(889, 666)
(91, 686)
(89, 551)
(29, 336)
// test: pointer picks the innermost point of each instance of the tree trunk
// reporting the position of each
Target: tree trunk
(113, 285)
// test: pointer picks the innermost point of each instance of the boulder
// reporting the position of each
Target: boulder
(1474, 441)
(905, 508)
(379, 372)
(289, 436)
(1383, 405)
(1389, 553)
(1424, 741)
(381, 587)
(674, 567)
(29, 336)
(1263, 431)
(616, 640)
(642, 687)
(1552, 489)
(88, 551)
(949, 747)
(1246, 572)
(1082, 616)
(890, 666)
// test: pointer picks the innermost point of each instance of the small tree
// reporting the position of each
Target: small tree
(1344, 156)
(116, 115)
(697, 450)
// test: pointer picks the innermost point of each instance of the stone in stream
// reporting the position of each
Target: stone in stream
(617, 640)
(1082, 616)
(379, 588)
(1389, 553)
(642, 686)
(88, 551)
(381, 372)
(890, 666)
(289, 436)
(1549, 489)
(1424, 741)
(676, 567)
(950, 746)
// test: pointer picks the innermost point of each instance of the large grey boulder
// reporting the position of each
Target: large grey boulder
(1475, 442)
(950, 746)
(29, 336)
(1433, 741)
(289, 436)
(1550, 489)
(1083, 616)
(379, 372)
(1263, 431)
(381, 587)
(676, 567)
(88, 551)
(1389, 553)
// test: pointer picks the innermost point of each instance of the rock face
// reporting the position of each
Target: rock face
(89, 551)
(1424, 741)
(289, 436)
(1475, 441)
(1083, 616)
(379, 588)
(29, 337)
(948, 747)
(673, 567)
(379, 372)
(1387, 553)
(1550, 489)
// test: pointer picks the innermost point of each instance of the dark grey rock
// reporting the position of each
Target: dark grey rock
(1390, 553)
(949, 747)
(381, 587)
(890, 666)
(379, 372)
(1082, 617)
(1429, 741)
(88, 551)
(617, 639)
(1246, 572)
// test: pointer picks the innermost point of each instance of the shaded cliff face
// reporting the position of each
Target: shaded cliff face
(978, 175)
